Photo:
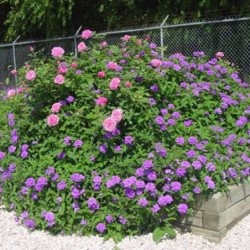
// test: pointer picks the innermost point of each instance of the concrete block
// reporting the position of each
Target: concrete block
(210, 234)
(207, 234)
(220, 202)
(217, 221)
(195, 220)
(246, 188)
(214, 216)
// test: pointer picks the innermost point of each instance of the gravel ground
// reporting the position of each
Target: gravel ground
(16, 237)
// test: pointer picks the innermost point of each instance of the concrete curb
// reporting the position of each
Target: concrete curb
(216, 215)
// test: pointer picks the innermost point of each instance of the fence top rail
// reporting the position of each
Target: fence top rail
(131, 30)
(177, 25)
(37, 41)
(206, 22)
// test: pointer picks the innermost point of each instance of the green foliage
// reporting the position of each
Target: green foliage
(182, 114)
(28, 17)
(46, 18)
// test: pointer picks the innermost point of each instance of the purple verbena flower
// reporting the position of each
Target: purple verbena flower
(78, 143)
(30, 182)
(164, 200)
(122, 220)
(12, 149)
(128, 140)
(175, 186)
(70, 99)
(61, 185)
(67, 140)
(182, 208)
(147, 164)
(100, 227)
(142, 202)
(29, 223)
(76, 177)
(24, 154)
(103, 148)
(109, 219)
(180, 141)
(113, 181)
(155, 208)
(2, 155)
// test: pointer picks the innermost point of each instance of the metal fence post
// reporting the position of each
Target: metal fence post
(75, 41)
(14, 57)
(161, 32)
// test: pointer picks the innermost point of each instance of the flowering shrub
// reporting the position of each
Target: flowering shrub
(120, 140)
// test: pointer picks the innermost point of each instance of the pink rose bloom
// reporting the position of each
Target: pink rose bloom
(81, 47)
(112, 65)
(20, 90)
(125, 38)
(86, 34)
(57, 52)
(101, 74)
(109, 124)
(103, 44)
(219, 55)
(11, 93)
(13, 71)
(115, 83)
(139, 42)
(128, 84)
(56, 107)
(117, 115)
(62, 69)
(59, 79)
(101, 101)
(156, 63)
(31, 75)
(73, 65)
(52, 120)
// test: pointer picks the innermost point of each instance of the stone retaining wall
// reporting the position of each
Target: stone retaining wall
(213, 217)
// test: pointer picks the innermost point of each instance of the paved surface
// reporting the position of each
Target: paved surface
(16, 237)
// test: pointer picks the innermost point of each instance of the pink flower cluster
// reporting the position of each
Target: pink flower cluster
(81, 47)
(12, 92)
(62, 69)
(52, 120)
(56, 107)
(57, 52)
(112, 65)
(156, 63)
(114, 83)
(86, 34)
(59, 79)
(103, 44)
(101, 101)
(31, 75)
(219, 55)
(110, 123)
(101, 74)
(126, 38)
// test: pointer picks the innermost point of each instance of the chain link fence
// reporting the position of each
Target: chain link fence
(231, 36)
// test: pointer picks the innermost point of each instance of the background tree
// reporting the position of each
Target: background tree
(46, 18)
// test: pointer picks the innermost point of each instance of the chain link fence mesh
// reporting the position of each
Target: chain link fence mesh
(232, 36)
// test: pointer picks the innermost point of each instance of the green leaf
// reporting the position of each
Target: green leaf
(158, 234)
(170, 232)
